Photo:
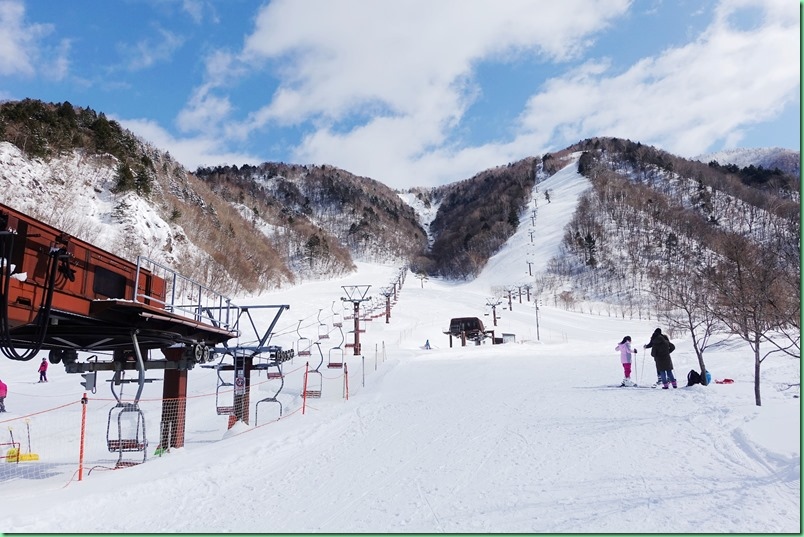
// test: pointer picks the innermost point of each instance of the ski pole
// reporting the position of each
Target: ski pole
(643, 366)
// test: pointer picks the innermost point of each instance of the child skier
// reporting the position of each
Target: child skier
(43, 370)
(624, 347)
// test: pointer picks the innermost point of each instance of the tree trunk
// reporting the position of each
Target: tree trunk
(702, 365)
(757, 364)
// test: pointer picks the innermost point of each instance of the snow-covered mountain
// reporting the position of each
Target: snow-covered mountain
(768, 157)
(531, 436)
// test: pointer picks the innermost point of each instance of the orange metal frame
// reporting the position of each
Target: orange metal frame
(94, 306)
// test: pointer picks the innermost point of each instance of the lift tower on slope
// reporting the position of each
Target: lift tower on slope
(388, 293)
(356, 294)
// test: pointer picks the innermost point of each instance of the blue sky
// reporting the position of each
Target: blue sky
(413, 92)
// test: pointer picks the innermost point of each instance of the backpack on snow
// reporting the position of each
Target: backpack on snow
(693, 377)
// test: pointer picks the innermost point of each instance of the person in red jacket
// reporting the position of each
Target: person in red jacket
(43, 370)
(3, 393)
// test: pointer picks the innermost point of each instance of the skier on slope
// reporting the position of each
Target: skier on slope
(626, 351)
(43, 370)
(660, 348)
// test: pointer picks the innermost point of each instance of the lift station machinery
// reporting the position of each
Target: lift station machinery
(62, 295)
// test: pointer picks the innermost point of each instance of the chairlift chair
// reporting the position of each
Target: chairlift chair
(350, 339)
(314, 380)
(323, 331)
(337, 318)
(129, 433)
(271, 398)
(348, 311)
(336, 354)
(221, 409)
(133, 438)
(303, 344)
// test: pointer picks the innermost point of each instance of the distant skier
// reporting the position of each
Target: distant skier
(427, 344)
(626, 351)
(3, 393)
(43, 370)
(660, 348)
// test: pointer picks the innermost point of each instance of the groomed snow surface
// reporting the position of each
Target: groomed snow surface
(530, 436)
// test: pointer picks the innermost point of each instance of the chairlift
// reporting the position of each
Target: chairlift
(348, 311)
(130, 431)
(337, 318)
(128, 435)
(273, 397)
(323, 331)
(336, 354)
(304, 344)
(314, 380)
(272, 375)
(350, 339)
(130, 421)
(221, 409)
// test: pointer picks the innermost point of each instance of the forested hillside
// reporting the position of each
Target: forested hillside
(475, 218)
(705, 248)
(63, 158)
(321, 217)
(651, 224)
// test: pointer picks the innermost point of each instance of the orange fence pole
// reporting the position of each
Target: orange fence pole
(83, 429)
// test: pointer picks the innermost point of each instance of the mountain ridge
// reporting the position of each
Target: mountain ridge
(250, 228)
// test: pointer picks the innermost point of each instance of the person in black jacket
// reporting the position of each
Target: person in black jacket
(660, 348)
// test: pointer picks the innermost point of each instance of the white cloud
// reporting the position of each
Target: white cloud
(190, 152)
(147, 52)
(59, 66)
(197, 9)
(404, 55)
(687, 98)
(19, 40)
(204, 112)
(398, 76)
(380, 88)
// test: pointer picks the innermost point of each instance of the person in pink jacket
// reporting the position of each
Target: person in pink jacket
(43, 370)
(626, 351)
(3, 393)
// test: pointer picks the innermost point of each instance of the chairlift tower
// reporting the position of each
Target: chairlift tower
(510, 289)
(387, 293)
(493, 306)
(356, 294)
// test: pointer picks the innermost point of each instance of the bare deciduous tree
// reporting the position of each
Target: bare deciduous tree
(684, 295)
(750, 287)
